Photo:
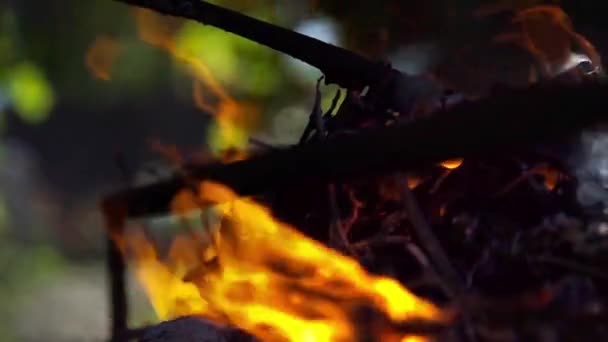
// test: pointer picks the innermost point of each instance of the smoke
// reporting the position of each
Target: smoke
(416, 59)
(591, 168)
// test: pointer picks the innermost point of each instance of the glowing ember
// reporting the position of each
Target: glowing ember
(451, 164)
(234, 120)
(413, 182)
(101, 56)
(263, 276)
(551, 176)
(413, 339)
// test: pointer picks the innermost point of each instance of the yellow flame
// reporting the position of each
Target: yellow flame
(263, 276)
(100, 57)
(234, 121)
(451, 164)
(413, 339)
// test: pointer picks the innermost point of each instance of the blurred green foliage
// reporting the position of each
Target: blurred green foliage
(138, 70)
(238, 63)
(4, 218)
(24, 269)
(23, 83)
(30, 92)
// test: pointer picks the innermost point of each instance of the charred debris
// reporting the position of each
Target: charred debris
(499, 233)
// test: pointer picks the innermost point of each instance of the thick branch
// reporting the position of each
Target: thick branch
(340, 66)
(499, 124)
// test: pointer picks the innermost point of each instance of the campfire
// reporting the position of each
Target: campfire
(400, 217)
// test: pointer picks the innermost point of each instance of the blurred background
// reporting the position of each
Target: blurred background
(82, 82)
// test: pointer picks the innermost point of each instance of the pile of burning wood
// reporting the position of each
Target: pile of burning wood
(463, 224)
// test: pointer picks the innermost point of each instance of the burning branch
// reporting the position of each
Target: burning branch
(504, 122)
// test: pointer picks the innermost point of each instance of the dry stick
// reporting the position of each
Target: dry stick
(525, 175)
(446, 173)
(261, 144)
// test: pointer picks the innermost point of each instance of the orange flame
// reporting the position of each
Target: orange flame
(413, 182)
(263, 276)
(234, 121)
(547, 33)
(551, 175)
(451, 164)
(100, 57)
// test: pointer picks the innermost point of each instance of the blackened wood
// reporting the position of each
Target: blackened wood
(186, 329)
(502, 123)
(115, 217)
(118, 297)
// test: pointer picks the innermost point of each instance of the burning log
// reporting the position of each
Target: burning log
(504, 122)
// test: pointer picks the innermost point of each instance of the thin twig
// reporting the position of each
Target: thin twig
(571, 265)
(429, 276)
(261, 144)
(453, 285)
(336, 230)
(446, 173)
(334, 104)
(310, 126)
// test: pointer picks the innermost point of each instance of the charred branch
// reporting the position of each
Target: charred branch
(188, 328)
(502, 123)
(118, 298)
(340, 66)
